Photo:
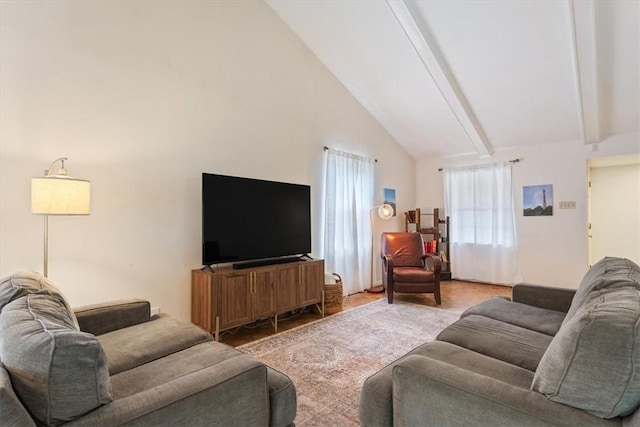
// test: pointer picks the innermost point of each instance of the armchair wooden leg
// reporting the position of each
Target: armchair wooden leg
(436, 293)
(390, 296)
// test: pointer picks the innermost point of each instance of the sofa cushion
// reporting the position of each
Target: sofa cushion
(412, 275)
(500, 340)
(607, 274)
(133, 346)
(58, 372)
(534, 318)
(23, 283)
(593, 363)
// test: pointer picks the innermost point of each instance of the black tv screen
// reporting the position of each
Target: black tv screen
(250, 219)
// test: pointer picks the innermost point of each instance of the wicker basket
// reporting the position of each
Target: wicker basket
(333, 296)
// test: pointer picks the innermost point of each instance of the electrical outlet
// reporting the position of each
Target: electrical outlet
(568, 205)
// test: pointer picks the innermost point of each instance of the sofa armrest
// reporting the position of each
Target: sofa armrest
(430, 392)
(558, 299)
(98, 319)
(230, 393)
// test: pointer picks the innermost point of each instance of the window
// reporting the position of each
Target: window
(479, 202)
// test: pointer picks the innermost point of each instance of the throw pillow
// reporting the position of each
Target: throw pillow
(58, 372)
(593, 362)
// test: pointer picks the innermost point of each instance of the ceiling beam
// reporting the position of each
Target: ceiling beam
(443, 77)
(583, 32)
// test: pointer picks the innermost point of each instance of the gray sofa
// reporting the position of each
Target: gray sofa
(114, 364)
(547, 356)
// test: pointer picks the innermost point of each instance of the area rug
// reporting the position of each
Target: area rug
(329, 359)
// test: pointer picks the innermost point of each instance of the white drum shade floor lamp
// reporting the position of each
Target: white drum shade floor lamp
(385, 211)
(58, 194)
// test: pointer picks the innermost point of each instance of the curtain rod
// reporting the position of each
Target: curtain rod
(513, 161)
(325, 148)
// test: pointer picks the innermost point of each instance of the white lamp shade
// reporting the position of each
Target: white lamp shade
(385, 211)
(60, 195)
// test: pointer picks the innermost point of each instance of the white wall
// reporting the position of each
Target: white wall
(143, 97)
(552, 250)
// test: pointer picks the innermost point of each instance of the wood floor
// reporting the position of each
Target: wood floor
(456, 296)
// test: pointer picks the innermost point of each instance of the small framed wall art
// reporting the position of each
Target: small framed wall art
(537, 200)
(390, 198)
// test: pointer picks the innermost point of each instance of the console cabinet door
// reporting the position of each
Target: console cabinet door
(236, 299)
(287, 288)
(264, 300)
(311, 282)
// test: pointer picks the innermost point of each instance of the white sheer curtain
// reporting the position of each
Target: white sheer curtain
(348, 198)
(479, 202)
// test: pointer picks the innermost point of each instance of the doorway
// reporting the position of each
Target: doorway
(614, 208)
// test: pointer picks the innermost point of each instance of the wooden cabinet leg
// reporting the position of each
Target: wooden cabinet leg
(216, 335)
(321, 306)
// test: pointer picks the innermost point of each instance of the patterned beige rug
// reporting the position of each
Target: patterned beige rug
(328, 360)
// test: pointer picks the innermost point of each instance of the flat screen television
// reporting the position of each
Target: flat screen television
(247, 219)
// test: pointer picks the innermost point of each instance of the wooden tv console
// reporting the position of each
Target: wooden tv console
(228, 298)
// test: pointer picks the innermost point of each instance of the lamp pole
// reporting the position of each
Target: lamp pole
(385, 211)
(46, 246)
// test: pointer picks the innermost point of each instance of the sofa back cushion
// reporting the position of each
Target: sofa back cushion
(58, 372)
(604, 276)
(593, 362)
(23, 283)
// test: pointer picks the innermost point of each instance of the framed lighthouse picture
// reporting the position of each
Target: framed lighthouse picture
(537, 200)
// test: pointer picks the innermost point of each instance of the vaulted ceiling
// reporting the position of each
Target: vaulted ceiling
(448, 77)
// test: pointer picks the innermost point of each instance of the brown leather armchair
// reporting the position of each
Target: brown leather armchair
(406, 268)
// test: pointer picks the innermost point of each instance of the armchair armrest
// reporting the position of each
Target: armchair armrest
(430, 392)
(387, 261)
(98, 319)
(435, 263)
(387, 271)
(558, 299)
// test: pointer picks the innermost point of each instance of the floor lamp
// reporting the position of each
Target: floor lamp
(385, 211)
(58, 194)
